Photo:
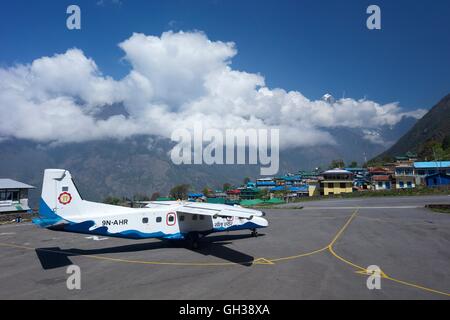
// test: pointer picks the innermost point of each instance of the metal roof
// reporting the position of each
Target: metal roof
(337, 170)
(381, 178)
(13, 184)
(195, 195)
(432, 164)
(265, 183)
(292, 189)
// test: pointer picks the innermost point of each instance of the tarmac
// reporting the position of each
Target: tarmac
(321, 251)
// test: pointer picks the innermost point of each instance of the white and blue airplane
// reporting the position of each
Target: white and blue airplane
(61, 208)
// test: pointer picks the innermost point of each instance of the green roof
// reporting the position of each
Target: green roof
(215, 200)
(274, 201)
(251, 202)
(165, 199)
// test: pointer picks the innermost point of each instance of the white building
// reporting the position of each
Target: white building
(13, 196)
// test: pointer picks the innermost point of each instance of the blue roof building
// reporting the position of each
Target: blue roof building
(300, 189)
(431, 167)
(195, 196)
(438, 179)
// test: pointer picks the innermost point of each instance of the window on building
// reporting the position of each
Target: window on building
(330, 185)
(401, 184)
(342, 185)
(158, 219)
(409, 184)
(144, 220)
(23, 194)
(380, 184)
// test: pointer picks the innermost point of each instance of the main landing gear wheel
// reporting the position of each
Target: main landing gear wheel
(193, 241)
(254, 233)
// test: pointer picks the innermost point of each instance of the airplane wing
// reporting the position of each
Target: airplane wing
(159, 204)
(217, 210)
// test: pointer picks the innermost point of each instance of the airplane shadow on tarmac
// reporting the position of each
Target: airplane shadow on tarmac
(55, 257)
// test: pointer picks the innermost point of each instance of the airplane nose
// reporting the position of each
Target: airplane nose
(262, 222)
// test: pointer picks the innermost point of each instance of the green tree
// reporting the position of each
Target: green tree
(339, 163)
(155, 196)
(207, 191)
(353, 164)
(446, 143)
(263, 194)
(140, 197)
(112, 200)
(246, 180)
(180, 191)
(428, 150)
(226, 186)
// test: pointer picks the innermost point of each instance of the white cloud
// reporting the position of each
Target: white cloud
(176, 79)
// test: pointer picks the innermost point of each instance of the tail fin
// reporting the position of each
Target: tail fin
(60, 198)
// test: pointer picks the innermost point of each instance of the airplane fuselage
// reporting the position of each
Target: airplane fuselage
(154, 223)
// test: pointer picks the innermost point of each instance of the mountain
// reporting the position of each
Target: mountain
(430, 132)
(142, 165)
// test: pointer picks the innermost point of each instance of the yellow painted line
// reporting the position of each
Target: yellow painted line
(364, 271)
(385, 276)
(322, 249)
(299, 255)
(266, 261)
(418, 286)
(330, 249)
(127, 260)
(262, 261)
(355, 212)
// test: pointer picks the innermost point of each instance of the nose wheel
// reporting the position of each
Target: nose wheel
(254, 233)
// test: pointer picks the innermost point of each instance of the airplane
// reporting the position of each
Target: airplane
(62, 208)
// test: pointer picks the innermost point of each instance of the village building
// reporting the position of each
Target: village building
(437, 179)
(336, 181)
(13, 196)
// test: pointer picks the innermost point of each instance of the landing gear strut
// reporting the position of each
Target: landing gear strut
(254, 233)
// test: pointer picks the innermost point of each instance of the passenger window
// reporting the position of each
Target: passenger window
(171, 218)
(202, 217)
(194, 217)
(144, 220)
(181, 218)
(65, 188)
(158, 219)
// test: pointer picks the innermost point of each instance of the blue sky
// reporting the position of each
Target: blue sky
(310, 46)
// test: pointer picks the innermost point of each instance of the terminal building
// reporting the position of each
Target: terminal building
(13, 196)
(336, 181)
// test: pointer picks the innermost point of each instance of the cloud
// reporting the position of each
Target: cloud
(176, 80)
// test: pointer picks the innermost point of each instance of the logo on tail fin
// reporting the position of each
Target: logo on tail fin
(65, 198)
